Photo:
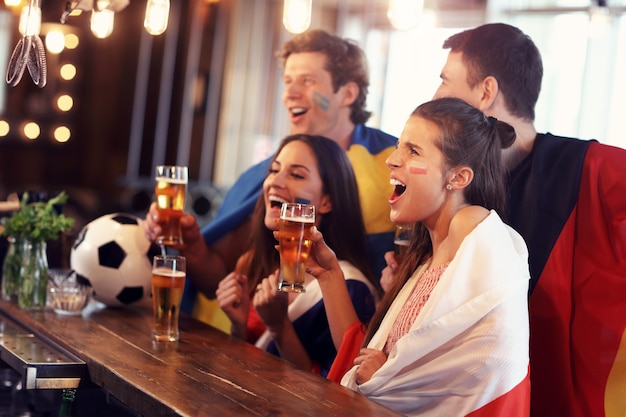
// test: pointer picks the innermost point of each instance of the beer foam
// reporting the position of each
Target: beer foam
(168, 272)
(299, 219)
(171, 180)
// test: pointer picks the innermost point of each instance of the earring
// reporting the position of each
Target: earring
(448, 187)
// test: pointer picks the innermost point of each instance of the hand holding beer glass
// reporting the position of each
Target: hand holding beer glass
(294, 237)
(170, 191)
(168, 284)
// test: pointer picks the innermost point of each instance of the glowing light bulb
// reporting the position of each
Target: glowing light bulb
(71, 41)
(62, 134)
(55, 41)
(30, 20)
(31, 130)
(297, 15)
(68, 71)
(157, 15)
(12, 3)
(5, 128)
(65, 102)
(404, 14)
(102, 22)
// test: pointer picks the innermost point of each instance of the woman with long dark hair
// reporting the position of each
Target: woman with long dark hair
(294, 326)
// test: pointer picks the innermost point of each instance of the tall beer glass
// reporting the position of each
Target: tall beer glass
(170, 191)
(401, 241)
(168, 284)
(294, 238)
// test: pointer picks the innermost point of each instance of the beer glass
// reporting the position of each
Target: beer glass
(294, 238)
(401, 241)
(168, 284)
(170, 191)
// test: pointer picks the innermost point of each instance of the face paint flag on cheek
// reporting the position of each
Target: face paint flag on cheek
(321, 101)
(416, 167)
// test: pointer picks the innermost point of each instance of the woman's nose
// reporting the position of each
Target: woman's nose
(278, 179)
(393, 160)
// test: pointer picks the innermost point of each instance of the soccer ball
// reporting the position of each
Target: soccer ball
(112, 255)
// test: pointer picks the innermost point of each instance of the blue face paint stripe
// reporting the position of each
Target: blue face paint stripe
(321, 101)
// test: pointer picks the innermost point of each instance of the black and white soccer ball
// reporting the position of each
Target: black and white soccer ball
(113, 256)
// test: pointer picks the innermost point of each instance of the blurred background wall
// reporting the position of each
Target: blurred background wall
(206, 93)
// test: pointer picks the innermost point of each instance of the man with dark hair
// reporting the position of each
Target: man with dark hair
(325, 86)
(567, 198)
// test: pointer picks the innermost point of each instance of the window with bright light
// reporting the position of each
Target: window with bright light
(583, 94)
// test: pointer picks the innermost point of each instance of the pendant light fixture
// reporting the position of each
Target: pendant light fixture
(102, 19)
(297, 15)
(103, 14)
(157, 16)
(404, 14)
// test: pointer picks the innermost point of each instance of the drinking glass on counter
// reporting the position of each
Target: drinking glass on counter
(67, 295)
(294, 237)
(168, 284)
(170, 191)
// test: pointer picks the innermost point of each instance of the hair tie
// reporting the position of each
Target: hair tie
(492, 121)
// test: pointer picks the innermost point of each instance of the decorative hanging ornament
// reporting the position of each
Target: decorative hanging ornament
(29, 51)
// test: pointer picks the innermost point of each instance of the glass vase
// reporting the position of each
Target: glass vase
(11, 270)
(33, 276)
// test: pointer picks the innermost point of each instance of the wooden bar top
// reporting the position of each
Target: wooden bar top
(206, 373)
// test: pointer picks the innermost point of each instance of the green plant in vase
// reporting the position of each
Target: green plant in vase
(25, 270)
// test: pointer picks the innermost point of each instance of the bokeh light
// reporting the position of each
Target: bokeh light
(71, 41)
(65, 102)
(68, 71)
(62, 134)
(5, 128)
(55, 41)
(31, 130)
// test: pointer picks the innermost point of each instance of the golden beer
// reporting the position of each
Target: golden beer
(295, 243)
(168, 286)
(170, 197)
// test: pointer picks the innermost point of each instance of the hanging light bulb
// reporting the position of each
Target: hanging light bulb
(30, 20)
(297, 15)
(102, 22)
(157, 15)
(12, 3)
(404, 14)
(55, 41)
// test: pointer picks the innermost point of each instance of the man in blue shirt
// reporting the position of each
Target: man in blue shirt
(325, 86)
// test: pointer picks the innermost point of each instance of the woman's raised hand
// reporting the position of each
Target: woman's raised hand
(270, 304)
(322, 259)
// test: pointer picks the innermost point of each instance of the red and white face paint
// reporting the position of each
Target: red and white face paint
(417, 168)
(417, 174)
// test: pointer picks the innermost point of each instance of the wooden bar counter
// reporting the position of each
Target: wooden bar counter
(206, 373)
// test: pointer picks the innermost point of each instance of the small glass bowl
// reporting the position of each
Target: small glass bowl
(65, 294)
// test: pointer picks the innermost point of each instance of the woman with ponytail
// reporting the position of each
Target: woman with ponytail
(450, 336)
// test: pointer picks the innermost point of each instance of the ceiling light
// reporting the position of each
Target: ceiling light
(297, 15)
(404, 14)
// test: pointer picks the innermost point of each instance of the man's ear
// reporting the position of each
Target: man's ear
(350, 93)
(461, 178)
(325, 205)
(490, 90)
